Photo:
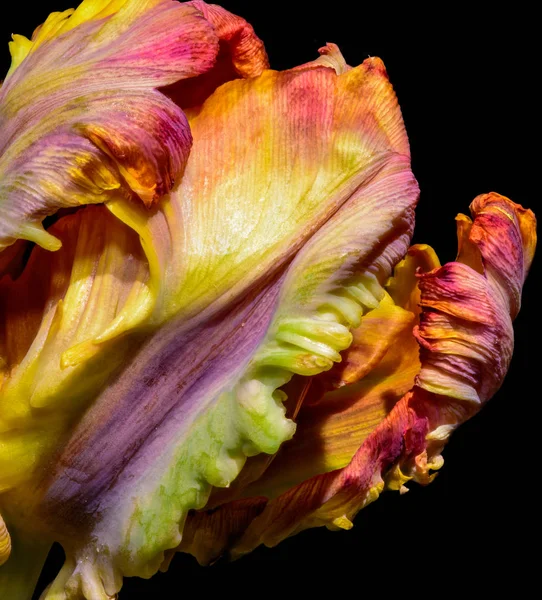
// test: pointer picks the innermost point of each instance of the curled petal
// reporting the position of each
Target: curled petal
(505, 235)
(241, 54)
(246, 49)
(330, 56)
(465, 329)
(80, 119)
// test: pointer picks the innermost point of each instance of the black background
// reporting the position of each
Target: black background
(466, 84)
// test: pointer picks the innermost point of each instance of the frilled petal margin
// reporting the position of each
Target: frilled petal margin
(244, 299)
(338, 409)
(465, 336)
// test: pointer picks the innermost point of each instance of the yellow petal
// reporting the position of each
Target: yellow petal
(57, 316)
(251, 205)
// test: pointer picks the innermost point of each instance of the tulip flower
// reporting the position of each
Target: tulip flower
(213, 331)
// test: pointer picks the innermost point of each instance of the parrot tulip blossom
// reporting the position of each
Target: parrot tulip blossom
(213, 332)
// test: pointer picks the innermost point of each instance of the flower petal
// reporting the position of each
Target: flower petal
(247, 52)
(465, 330)
(53, 319)
(248, 298)
(345, 404)
(241, 54)
(80, 119)
(465, 323)
(341, 407)
(376, 370)
(297, 176)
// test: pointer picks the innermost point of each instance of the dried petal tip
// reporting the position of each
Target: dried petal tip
(330, 56)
